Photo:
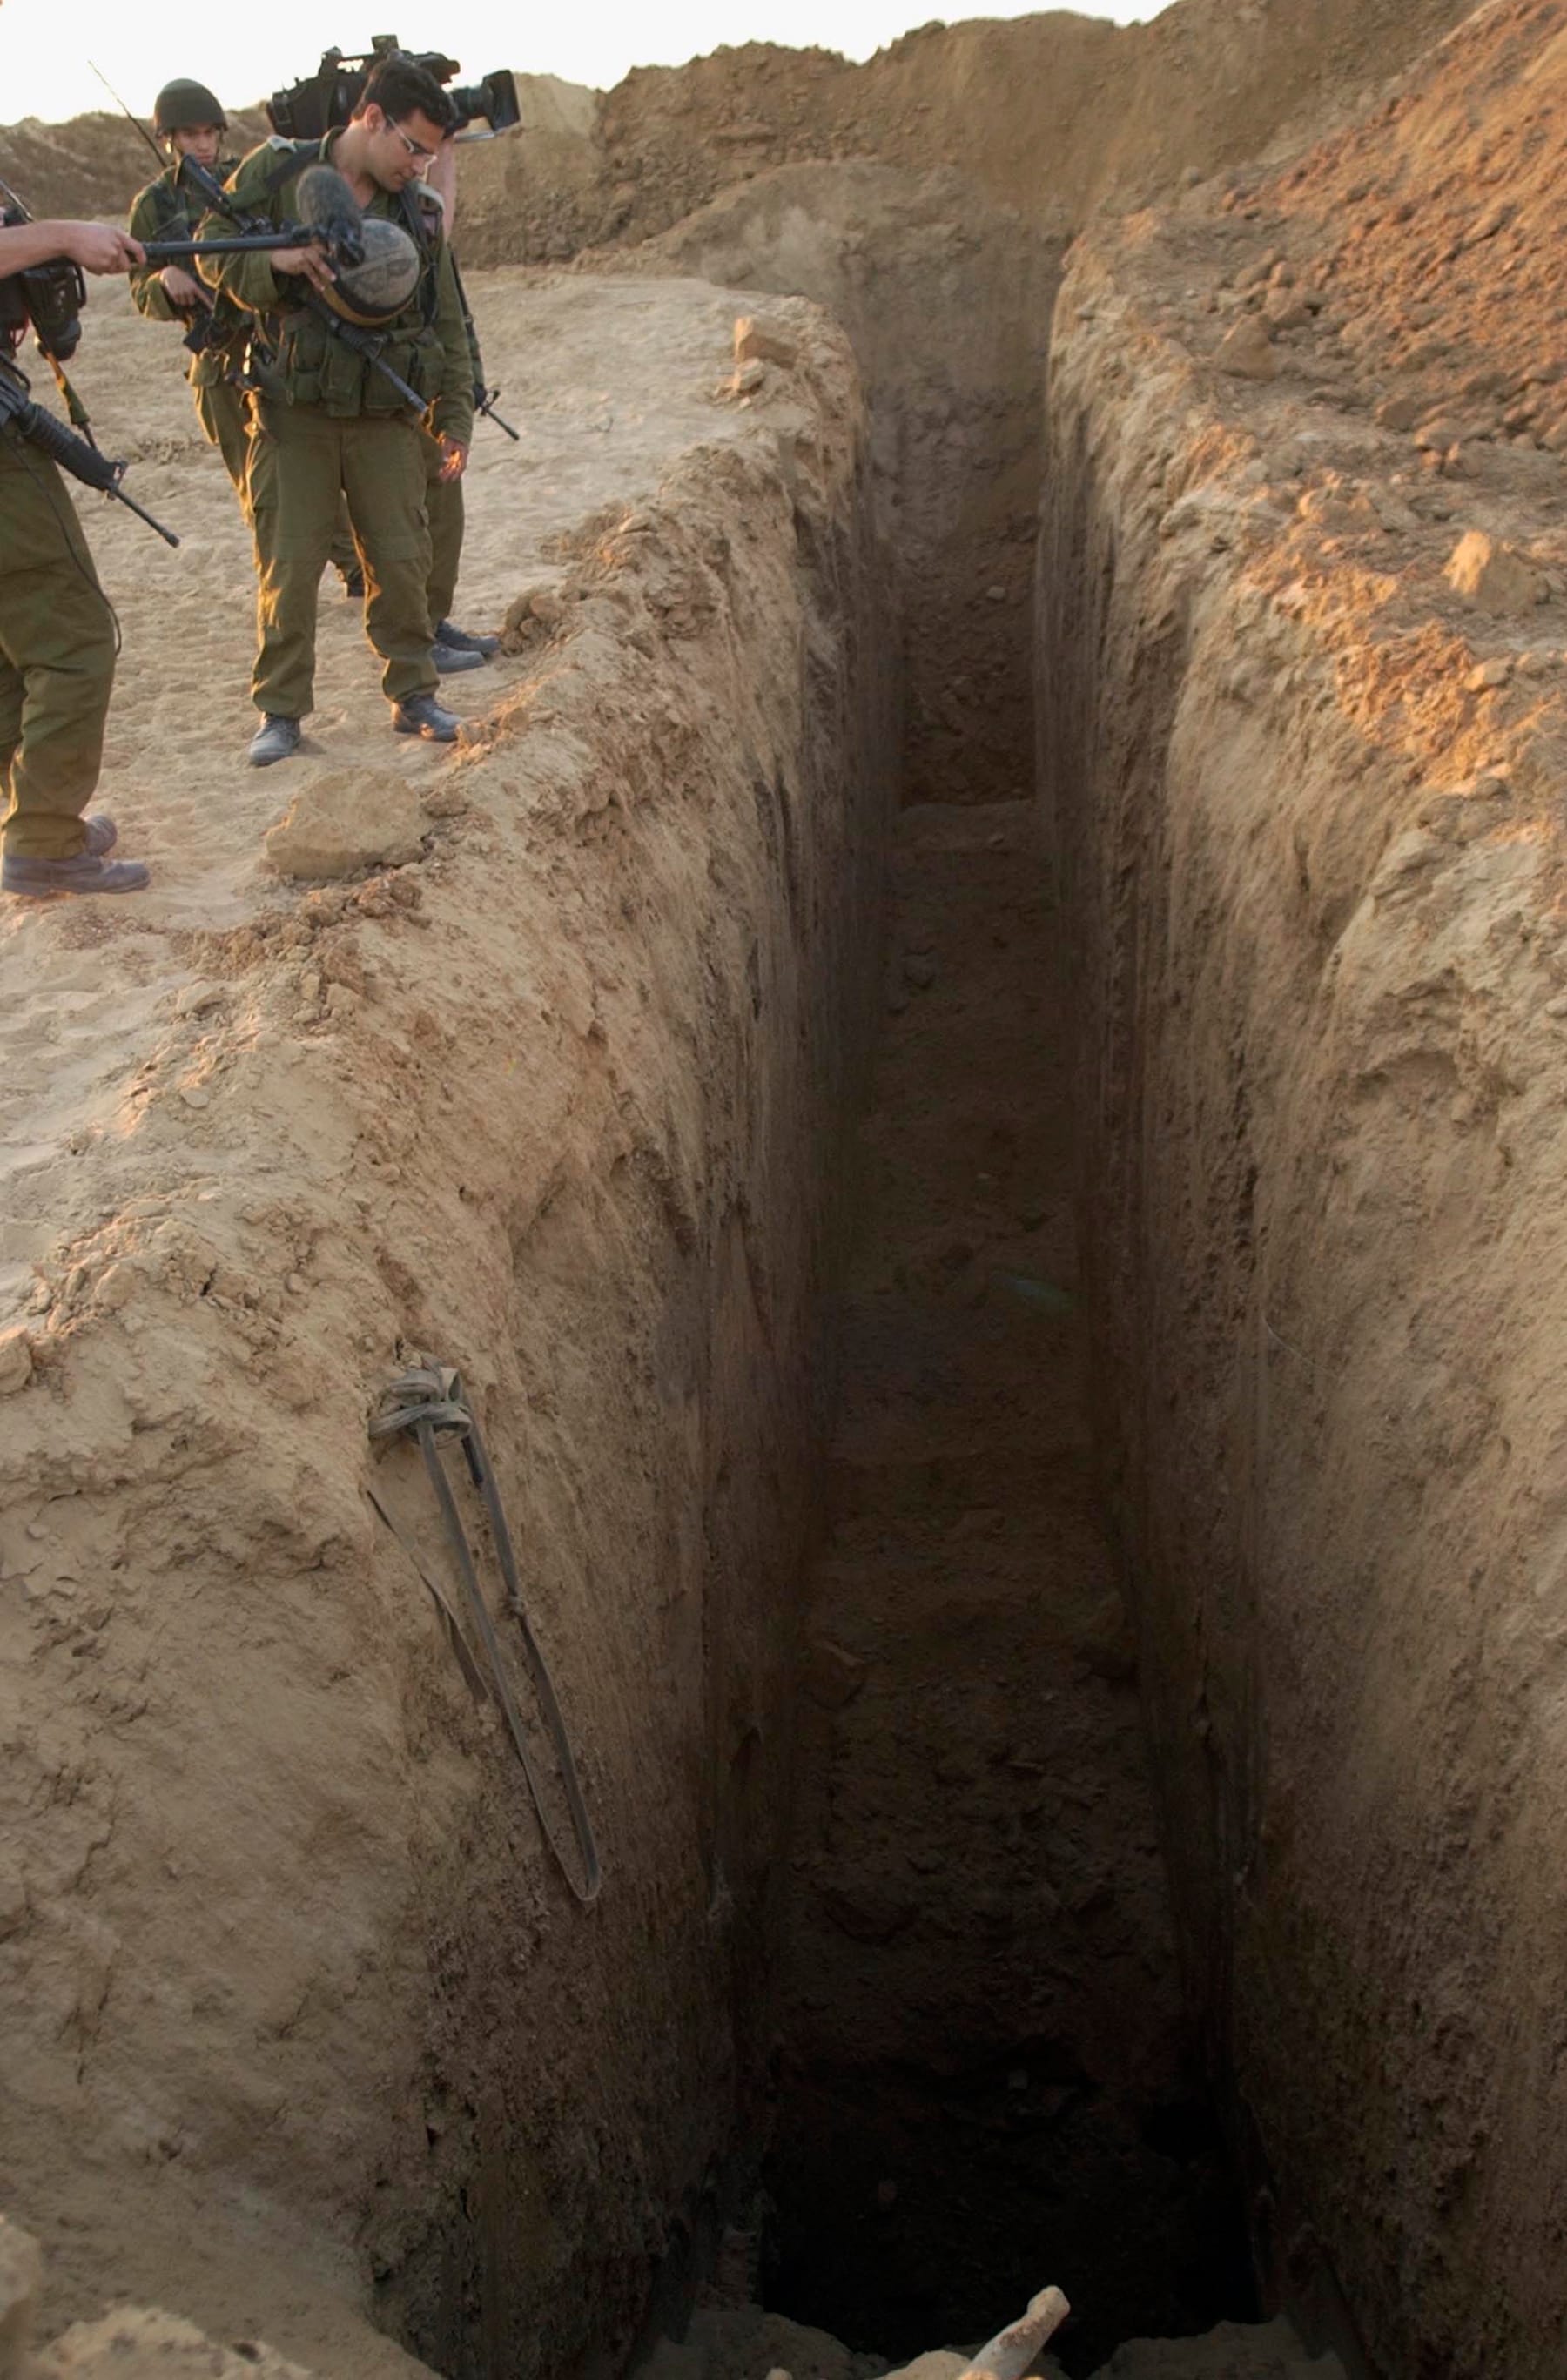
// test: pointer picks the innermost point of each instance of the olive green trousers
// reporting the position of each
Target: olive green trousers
(56, 658)
(444, 507)
(303, 462)
(443, 503)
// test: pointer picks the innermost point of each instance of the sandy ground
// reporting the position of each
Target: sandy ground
(602, 393)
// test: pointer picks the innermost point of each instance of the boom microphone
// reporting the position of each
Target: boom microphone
(328, 205)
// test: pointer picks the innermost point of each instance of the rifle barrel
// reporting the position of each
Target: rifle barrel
(142, 514)
(248, 243)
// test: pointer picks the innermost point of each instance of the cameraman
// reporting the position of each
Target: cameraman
(337, 430)
(57, 630)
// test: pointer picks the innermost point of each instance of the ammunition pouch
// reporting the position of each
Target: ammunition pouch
(319, 366)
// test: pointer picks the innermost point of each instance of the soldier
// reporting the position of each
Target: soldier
(341, 429)
(57, 630)
(189, 121)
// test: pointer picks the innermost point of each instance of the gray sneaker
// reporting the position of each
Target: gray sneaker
(422, 715)
(275, 739)
(88, 872)
(450, 659)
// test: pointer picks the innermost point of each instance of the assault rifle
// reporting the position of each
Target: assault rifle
(484, 398)
(76, 456)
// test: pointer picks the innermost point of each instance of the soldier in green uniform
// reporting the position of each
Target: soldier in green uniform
(189, 119)
(186, 116)
(339, 430)
(57, 630)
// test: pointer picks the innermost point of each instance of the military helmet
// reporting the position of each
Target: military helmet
(183, 105)
(376, 290)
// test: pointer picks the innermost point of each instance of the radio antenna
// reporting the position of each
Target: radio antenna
(134, 120)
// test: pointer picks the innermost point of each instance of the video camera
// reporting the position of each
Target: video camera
(50, 297)
(310, 108)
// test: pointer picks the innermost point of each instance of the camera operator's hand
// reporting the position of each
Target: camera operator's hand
(454, 458)
(310, 262)
(180, 289)
(100, 248)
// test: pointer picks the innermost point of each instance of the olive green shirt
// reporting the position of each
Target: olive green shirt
(167, 210)
(426, 343)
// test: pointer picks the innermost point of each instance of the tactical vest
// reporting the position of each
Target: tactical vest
(316, 366)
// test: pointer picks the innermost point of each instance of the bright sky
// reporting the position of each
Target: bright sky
(244, 52)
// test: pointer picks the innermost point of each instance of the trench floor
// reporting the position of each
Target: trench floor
(985, 2082)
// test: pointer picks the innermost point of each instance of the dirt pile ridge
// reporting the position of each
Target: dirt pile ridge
(1052, 114)
(1304, 694)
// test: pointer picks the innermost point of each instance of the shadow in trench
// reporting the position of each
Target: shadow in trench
(986, 2080)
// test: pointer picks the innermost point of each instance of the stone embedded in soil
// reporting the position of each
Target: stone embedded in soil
(756, 340)
(15, 1362)
(1286, 312)
(939, 2363)
(1398, 412)
(1491, 575)
(1245, 351)
(144, 2343)
(345, 820)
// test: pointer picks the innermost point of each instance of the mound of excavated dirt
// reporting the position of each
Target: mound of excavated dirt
(1052, 114)
(1305, 698)
(94, 164)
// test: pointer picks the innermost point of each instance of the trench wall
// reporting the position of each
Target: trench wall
(1311, 952)
(301, 2026)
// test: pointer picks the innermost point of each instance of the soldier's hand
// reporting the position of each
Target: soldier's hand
(100, 248)
(180, 289)
(309, 262)
(454, 458)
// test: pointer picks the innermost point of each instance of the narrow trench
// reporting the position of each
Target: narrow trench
(985, 2076)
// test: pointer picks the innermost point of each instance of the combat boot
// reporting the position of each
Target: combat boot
(462, 640)
(88, 872)
(451, 659)
(422, 715)
(275, 739)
